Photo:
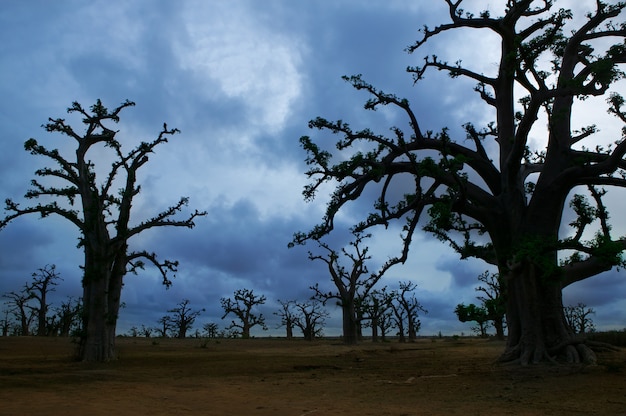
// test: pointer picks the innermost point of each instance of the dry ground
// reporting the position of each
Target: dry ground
(280, 377)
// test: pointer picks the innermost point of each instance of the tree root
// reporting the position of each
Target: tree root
(573, 351)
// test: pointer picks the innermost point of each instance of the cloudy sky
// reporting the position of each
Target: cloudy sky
(240, 79)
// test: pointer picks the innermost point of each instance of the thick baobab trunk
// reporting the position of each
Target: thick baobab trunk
(536, 322)
(98, 337)
(350, 324)
(102, 287)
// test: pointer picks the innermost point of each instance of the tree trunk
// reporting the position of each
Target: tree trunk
(374, 329)
(537, 327)
(498, 324)
(350, 324)
(98, 337)
(245, 330)
(102, 287)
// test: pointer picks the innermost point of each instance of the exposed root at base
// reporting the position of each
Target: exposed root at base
(570, 352)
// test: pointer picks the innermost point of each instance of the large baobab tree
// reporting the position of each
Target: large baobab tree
(492, 192)
(103, 215)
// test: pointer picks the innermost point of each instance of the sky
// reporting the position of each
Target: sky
(241, 79)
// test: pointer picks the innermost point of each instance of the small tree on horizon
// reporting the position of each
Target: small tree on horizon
(287, 317)
(18, 304)
(579, 318)
(493, 300)
(182, 318)
(310, 318)
(352, 284)
(473, 313)
(43, 282)
(244, 300)
(406, 309)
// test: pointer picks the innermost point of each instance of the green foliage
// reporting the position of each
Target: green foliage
(471, 312)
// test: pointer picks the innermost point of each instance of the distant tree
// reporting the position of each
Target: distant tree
(43, 282)
(287, 317)
(165, 326)
(310, 318)
(103, 218)
(182, 318)
(133, 332)
(579, 318)
(18, 304)
(69, 317)
(146, 331)
(406, 309)
(211, 329)
(352, 284)
(376, 309)
(493, 300)
(499, 191)
(241, 306)
(5, 323)
(473, 313)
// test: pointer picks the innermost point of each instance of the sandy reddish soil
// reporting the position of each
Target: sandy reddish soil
(279, 377)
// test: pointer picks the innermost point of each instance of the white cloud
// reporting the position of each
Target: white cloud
(227, 48)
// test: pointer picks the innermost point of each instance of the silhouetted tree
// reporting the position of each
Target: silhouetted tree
(310, 318)
(211, 329)
(146, 331)
(493, 300)
(287, 317)
(241, 307)
(43, 282)
(182, 318)
(5, 323)
(69, 317)
(473, 313)
(376, 308)
(352, 284)
(18, 305)
(103, 218)
(165, 326)
(493, 193)
(406, 309)
(579, 318)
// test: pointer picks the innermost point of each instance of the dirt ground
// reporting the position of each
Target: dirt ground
(279, 377)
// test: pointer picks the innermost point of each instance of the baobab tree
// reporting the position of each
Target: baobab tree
(18, 305)
(579, 318)
(406, 309)
(310, 318)
(103, 216)
(473, 313)
(43, 282)
(287, 317)
(352, 284)
(182, 318)
(376, 309)
(493, 193)
(241, 306)
(493, 301)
